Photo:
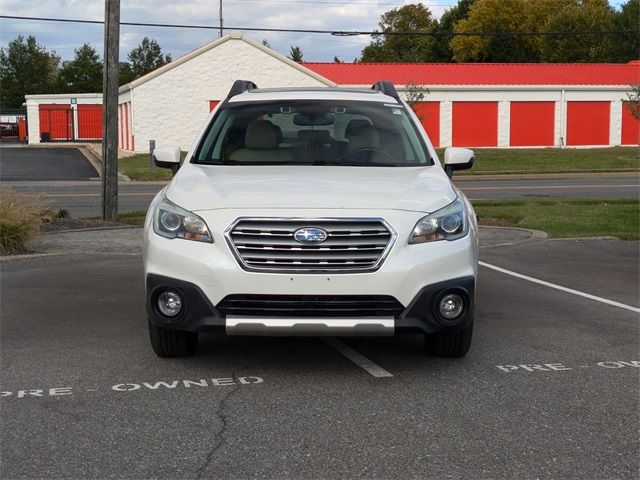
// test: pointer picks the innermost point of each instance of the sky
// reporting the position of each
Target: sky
(64, 38)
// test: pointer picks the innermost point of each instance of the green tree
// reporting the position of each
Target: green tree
(575, 16)
(503, 17)
(415, 94)
(26, 68)
(147, 57)
(125, 74)
(440, 48)
(401, 48)
(83, 74)
(295, 54)
(633, 105)
(626, 47)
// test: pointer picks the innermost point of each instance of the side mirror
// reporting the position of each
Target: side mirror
(167, 157)
(456, 158)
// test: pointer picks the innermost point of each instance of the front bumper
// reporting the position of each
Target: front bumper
(213, 268)
(207, 273)
(199, 314)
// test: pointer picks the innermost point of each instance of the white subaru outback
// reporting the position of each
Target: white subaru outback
(311, 212)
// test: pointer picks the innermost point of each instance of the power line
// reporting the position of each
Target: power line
(331, 2)
(330, 32)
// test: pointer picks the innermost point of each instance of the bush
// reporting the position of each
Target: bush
(20, 218)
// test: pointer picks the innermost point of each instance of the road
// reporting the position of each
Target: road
(548, 390)
(82, 198)
(511, 188)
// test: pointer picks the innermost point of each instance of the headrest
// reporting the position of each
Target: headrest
(261, 135)
(355, 125)
(279, 132)
(321, 136)
(364, 137)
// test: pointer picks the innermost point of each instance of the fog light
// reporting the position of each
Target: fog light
(451, 306)
(169, 303)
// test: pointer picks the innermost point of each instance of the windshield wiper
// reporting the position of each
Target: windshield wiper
(353, 164)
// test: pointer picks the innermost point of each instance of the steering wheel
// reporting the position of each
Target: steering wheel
(358, 155)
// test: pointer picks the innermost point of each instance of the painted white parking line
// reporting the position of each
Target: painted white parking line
(560, 287)
(360, 360)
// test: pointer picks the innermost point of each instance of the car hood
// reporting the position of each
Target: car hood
(420, 189)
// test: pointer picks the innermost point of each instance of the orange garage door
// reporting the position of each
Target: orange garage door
(56, 121)
(588, 123)
(429, 115)
(475, 124)
(90, 122)
(532, 124)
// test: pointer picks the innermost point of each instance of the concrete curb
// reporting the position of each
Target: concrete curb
(123, 227)
(535, 235)
(26, 256)
(92, 158)
(579, 239)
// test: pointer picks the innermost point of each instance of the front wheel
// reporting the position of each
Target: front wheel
(449, 344)
(172, 343)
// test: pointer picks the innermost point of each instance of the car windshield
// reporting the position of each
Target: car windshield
(317, 132)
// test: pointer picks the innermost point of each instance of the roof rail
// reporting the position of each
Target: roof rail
(240, 86)
(386, 87)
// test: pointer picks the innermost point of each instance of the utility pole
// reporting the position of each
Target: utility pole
(110, 110)
(221, 22)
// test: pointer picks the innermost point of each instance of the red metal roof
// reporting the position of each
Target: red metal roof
(480, 73)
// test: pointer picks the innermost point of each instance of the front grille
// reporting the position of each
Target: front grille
(310, 306)
(352, 245)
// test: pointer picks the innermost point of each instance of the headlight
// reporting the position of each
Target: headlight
(448, 223)
(171, 221)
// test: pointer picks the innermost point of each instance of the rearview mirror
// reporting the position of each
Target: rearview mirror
(167, 157)
(313, 119)
(456, 158)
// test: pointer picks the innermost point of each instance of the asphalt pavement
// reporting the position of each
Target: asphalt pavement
(44, 164)
(548, 390)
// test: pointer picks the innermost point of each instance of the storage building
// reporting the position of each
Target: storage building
(467, 104)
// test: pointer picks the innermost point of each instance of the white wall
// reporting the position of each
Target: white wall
(172, 107)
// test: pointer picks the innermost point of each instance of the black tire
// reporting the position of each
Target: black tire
(172, 343)
(449, 344)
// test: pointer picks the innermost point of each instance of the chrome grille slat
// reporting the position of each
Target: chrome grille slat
(306, 249)
(268, 244)
(380, 241)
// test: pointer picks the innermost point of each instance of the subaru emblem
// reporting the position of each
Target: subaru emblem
(310, 235)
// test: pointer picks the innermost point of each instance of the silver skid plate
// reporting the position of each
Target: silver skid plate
(294, 326)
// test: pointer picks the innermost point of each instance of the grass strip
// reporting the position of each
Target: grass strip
(132, 218)
(566, 218)
(488, 161)
(138, 168)
(552, 160)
